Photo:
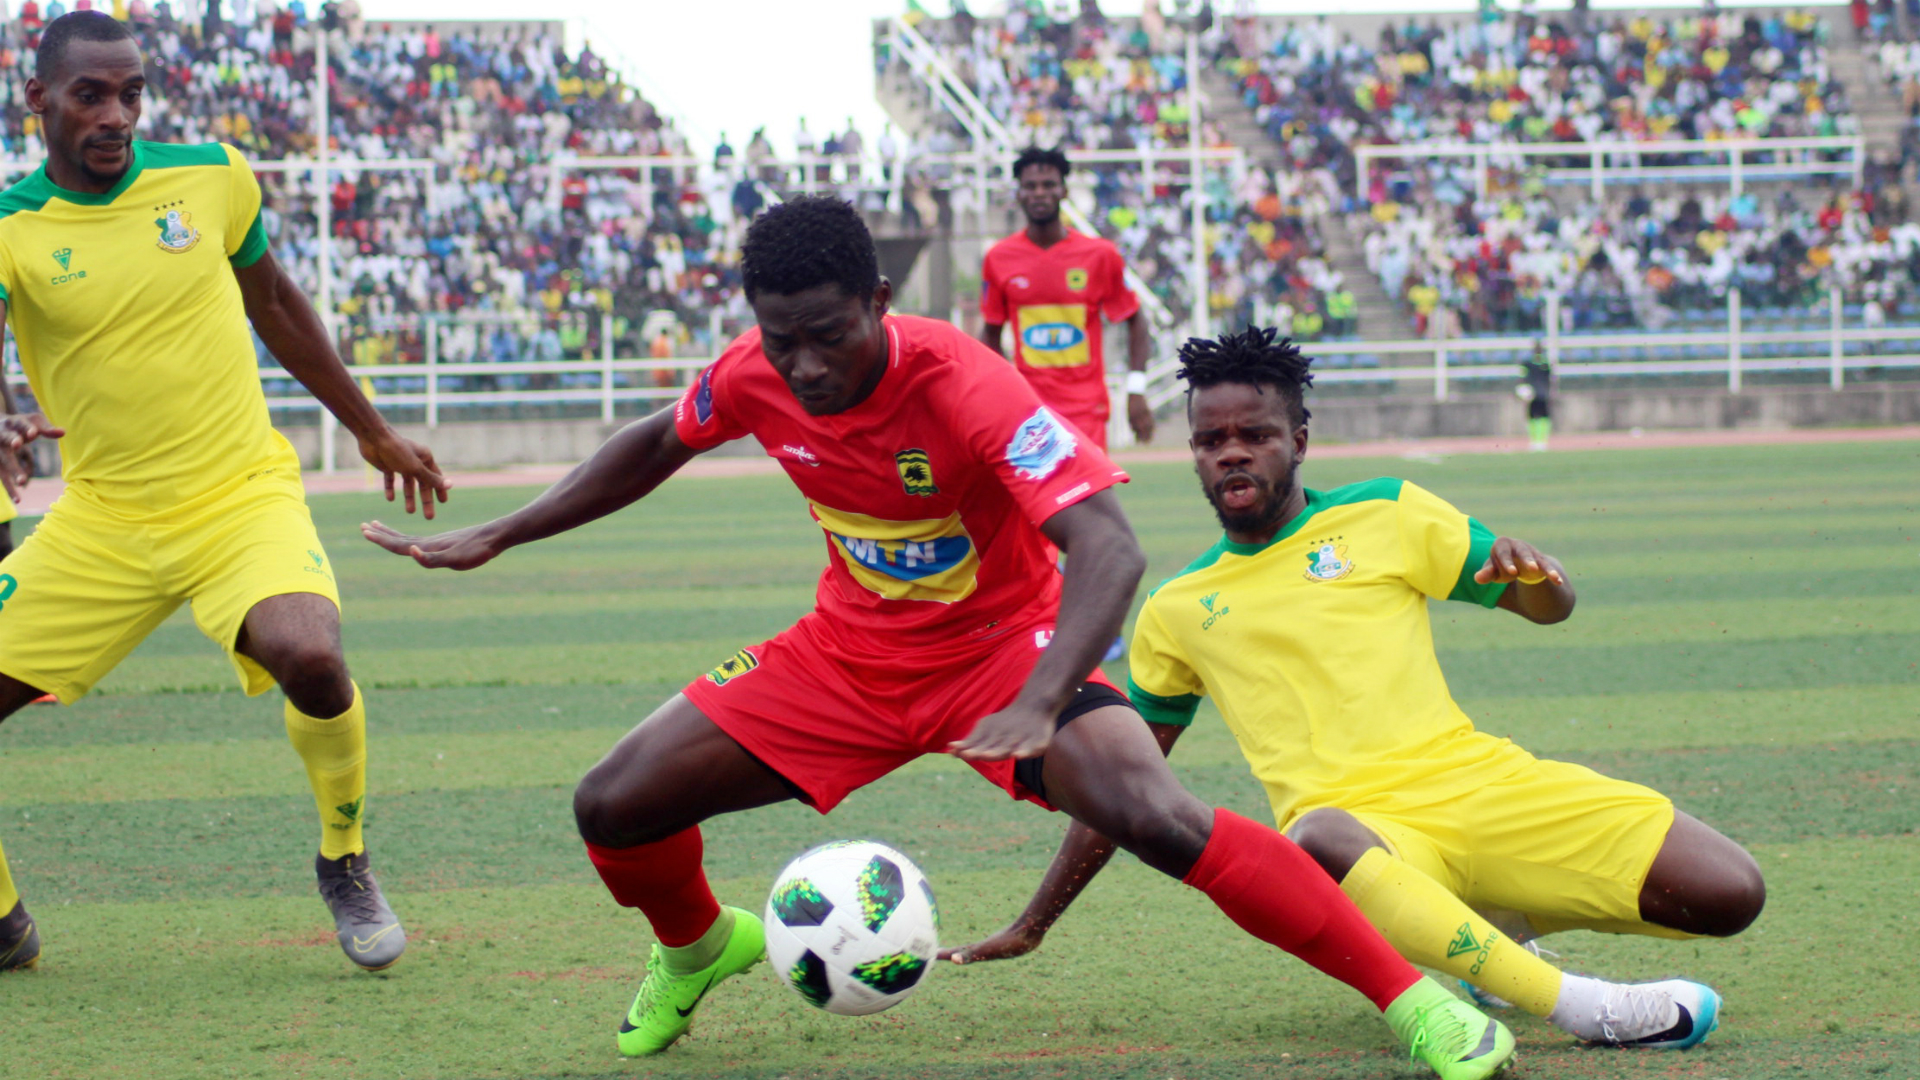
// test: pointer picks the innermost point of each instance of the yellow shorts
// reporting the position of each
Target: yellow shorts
(1550, 839)
(96, 578)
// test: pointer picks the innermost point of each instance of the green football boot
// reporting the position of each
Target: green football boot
(1454, 1039)
(19, 940)
(663, 1009)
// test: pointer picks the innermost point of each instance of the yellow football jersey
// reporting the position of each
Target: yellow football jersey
(1316, 648)
(130, 323)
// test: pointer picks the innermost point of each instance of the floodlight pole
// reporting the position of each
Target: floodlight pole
(1197, 271)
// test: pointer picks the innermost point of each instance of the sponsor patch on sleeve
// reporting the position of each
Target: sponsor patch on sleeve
(1040, 444)
(703, 399)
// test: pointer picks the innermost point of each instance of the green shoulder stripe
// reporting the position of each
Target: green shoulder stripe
(1382, 488)
(26, 196)
(252, 246)
(1207, 558)
(1177, 711)
(1479, 545)
(181, 155)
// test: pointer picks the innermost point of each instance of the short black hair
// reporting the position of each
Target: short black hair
(808, 241)
(1252, 357)
(1034, 155)
(74, 26)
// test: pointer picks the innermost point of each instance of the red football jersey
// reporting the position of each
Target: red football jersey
(1053, 298)
(929, 491)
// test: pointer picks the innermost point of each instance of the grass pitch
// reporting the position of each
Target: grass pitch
(1747, 641)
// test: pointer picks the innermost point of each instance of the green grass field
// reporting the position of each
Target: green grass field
(1747, 641)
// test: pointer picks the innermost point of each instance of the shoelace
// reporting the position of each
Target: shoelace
(1447, 1030)
(354, 892)
(650, 987)
(1634, 1010)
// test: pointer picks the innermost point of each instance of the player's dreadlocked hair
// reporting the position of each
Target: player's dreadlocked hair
(1252, 357)
(71, 27)
(1034, 155)
(808, 241)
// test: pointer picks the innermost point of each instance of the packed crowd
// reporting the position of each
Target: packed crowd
(1486, 264)
(487, 227)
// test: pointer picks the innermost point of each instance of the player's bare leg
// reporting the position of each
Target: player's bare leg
(1106, 770)
(639, 811)
(1429, 925)
(296, 638)
(19, 937)
(1701, 882)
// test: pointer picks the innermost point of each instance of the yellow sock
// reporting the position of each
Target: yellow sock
(9, 895)
(1430, 926)
(335, 753)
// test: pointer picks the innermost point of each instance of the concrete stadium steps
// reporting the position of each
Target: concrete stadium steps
(1226, 107)
(1380, 317)
(1876, 104)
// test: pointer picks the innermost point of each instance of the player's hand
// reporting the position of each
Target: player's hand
(461, 549)
(1140, 417)
(16, 431)
(413, 464)
(1017, 731)
(1016, 940)
(1516, 560)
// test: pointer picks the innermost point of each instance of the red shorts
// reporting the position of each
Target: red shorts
(831, 723)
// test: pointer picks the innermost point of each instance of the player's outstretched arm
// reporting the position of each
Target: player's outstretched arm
(624, 468)
(1540, 590)
(1081, 856)
(16, 431)
(286, 321)
(1104, 564)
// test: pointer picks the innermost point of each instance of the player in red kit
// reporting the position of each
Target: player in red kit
(1054, 285)
(941, 624)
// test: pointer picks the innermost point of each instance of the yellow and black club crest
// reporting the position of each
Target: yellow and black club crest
(916, 472)
(733, 667)
(1076, 279)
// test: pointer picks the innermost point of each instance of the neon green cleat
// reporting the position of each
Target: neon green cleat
(663, 1009)
(1454, 1039)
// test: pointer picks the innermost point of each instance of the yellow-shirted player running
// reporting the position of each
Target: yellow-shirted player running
(1308, 625)
(130, 271)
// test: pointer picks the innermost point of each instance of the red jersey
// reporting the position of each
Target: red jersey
(1054, 298)
(929, 491)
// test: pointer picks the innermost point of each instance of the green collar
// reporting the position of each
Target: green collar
(1316, 502)
(104, 198)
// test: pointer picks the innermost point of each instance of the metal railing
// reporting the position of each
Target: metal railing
(1624, 162)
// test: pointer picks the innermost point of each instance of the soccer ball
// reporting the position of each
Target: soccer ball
(852, 927)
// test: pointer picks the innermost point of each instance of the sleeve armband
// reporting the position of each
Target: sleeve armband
(1177, 711)
(1479, 545)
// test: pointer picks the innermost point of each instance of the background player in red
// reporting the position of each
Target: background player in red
(1053, 285)
(941, 624)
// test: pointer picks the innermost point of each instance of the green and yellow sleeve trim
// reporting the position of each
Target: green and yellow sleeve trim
(1177, 711)
(1479, 545)
(252, 247)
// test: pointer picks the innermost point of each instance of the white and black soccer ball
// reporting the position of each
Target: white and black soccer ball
(852, 927)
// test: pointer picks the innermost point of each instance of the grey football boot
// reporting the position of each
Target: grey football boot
(369, 931)
(19, 940)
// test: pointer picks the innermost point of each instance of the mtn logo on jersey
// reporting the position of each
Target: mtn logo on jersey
(904, 560)
(1054, 335)
(1040, 445)
(177, 233)
(916, 472)
(733, 667)
(1328, 563)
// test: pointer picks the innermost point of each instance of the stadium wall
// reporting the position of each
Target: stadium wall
(494, 444)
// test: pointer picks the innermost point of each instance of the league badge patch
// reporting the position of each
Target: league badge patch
(1040, 445)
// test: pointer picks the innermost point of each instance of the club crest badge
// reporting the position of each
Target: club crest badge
(1328, 563)
(1076, 279)
(735, 666)
(177, 233)
(916, 472)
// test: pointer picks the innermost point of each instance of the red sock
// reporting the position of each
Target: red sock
(1276, 892)
(664, 880)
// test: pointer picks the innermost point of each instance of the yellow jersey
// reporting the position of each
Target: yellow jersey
(1317, 649)
(131, 326)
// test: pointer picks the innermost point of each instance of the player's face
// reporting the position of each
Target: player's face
(831, 348)
(1246, 451)
(89, 107)
(1041, 189)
